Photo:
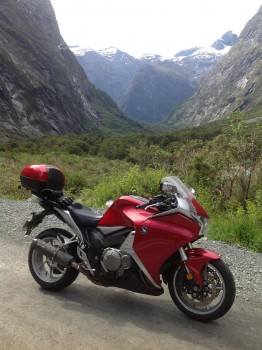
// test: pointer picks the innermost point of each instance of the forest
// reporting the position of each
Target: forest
(222, 161)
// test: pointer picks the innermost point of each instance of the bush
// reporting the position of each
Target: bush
(242, 227)
(135, 181)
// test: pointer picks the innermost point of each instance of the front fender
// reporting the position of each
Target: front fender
(197, 259)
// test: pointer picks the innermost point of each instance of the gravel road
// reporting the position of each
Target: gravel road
(87, 316)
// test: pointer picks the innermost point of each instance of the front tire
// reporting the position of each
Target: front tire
(207, 302)
(46, 272)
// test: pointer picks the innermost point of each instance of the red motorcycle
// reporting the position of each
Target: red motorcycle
(137, 245)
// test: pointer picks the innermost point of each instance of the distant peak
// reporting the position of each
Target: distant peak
(187, 52)
(79, 50)
(108, 51)
(151, 57)
(228, 39)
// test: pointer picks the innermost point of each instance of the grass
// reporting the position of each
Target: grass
(80, 172)
(241, 226)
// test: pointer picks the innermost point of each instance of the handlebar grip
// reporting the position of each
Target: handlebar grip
(142, 205)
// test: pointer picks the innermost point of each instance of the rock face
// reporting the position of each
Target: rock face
(111, 70)
(43, 90)
(234, 83)
(156, 89)
(150, 88)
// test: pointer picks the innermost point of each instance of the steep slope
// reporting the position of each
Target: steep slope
(234, 83)
(110, 70)
(43, 90)
(156, 89)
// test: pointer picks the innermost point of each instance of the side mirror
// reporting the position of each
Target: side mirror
(167, 187)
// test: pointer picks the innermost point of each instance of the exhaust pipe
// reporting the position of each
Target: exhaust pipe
(58, 255)
(61, 257)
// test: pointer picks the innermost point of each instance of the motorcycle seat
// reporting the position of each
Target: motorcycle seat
(83, 216)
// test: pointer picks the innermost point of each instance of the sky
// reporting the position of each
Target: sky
(150, 26)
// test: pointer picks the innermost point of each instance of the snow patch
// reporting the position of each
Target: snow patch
(202, 52)
(79, 50)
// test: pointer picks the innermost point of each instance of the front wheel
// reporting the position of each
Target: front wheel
(46, 272)
(207, 302)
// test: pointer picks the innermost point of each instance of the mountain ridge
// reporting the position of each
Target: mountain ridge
(234, 83)
(150, 88)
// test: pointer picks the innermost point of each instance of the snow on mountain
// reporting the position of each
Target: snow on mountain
(109, 52)
(79, 50)
(201, 53)
(212, 53)
(150, 57)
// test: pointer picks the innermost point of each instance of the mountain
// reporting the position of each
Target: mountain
(110, 70)
(43, 89)
(162, 84)
(228, 39)
(156, 89)
(198, 61)
(150, 88)
(234, 83)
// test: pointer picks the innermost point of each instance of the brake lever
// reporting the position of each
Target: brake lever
(157, 204)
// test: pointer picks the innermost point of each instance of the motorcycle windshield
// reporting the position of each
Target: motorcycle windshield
(181, 188)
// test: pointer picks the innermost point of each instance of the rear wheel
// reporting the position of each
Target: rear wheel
(207, 302)
(46, 272)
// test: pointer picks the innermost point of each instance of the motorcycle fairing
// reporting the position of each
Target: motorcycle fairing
(160, 241)
(123, 212)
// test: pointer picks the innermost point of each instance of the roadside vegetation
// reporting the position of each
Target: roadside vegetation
(222, 161)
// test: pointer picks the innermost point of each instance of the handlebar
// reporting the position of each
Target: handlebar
(155, 200)
(159, 201)
(142, 205)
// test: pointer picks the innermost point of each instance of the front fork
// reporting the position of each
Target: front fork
(194, 259)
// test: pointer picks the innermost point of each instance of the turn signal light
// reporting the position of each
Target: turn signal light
(189, 276)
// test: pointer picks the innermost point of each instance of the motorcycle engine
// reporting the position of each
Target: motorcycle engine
(115, 260)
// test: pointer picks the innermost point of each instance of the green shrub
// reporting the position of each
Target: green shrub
(135, 181)
(241, 227)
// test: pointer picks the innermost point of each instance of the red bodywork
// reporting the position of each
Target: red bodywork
(36, 172)
(156, 239)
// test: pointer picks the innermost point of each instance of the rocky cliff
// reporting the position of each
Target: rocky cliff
(43, 90)
(234, 83)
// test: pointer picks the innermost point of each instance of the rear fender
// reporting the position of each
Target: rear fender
(197, 259)
(36, 219)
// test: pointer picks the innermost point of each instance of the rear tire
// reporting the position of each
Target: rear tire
(207, 302)
(49, 274)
